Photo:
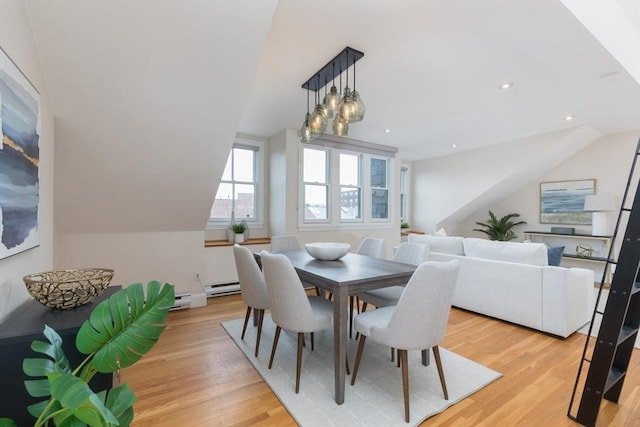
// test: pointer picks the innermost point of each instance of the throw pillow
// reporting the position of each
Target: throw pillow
(555, 255)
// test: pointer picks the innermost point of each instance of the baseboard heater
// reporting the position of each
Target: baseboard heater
(182, 302)
(221, 289)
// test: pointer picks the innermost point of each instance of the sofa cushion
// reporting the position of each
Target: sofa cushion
(443, 244)
(523, 253)
(554, 255)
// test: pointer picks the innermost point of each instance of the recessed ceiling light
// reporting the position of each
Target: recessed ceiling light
(568, 118)
(506, 85)
(454, 145)
(387, 130)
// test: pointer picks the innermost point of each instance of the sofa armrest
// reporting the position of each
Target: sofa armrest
(567, 299)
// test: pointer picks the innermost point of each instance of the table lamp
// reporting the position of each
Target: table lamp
(600, 205)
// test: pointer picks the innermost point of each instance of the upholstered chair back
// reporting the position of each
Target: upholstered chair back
(411, 253)
(284, 243)
(420, 319)
(289, 303)
(252, 285)
(372, 246)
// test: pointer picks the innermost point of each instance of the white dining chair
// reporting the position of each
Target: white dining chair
(407, 253)
(291, 308)
(372, 246)
(253, 289)
(369, 246)
(285, 243)
(418, 322)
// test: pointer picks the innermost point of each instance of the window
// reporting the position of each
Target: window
(404, 188)
(350, 188)
(316, 185)
(341, 187)
(379, 189)
(237, 193)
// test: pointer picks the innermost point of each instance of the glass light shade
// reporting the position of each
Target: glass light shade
(359, 109)
(331, 101)
(346, 107)
(318, 120)
(305, 131)
(340, 128)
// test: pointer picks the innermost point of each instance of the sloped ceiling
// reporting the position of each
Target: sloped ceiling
(147, 95)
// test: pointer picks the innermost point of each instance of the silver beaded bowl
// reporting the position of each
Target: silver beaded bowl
(66, 289)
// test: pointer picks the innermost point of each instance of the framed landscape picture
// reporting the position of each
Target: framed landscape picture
(19, 158)
(562, 202)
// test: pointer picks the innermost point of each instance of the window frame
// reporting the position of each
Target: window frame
(327, 185)
(258, 176)
(335, 222)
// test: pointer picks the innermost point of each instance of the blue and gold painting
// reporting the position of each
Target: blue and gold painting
(563, 202)
(19, 157)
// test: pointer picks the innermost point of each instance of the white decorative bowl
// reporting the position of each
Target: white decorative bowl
(327, 251)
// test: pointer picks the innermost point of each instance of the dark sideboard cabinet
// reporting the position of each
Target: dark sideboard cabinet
(16, 335)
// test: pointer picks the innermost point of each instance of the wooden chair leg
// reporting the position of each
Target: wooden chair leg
(398, 358)
(299, 360)
(246, 322)
(358, 356)
(436, 355)
(402, 356)
(352, 299)
(393, 354)
(425, 357)
(275, 344)
(312, 344)
(259, 335)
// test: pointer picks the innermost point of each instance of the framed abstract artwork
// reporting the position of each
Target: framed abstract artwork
(562, 202)
(19, 158)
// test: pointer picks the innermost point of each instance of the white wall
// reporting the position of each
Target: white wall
(446, 190)
(608, 161)
(172, 257)
(17, 42)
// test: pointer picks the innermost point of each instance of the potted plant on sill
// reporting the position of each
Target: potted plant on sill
(499, 229)
(120, 330)
(239, 231)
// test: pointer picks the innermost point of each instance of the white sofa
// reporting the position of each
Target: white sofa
(513, 282)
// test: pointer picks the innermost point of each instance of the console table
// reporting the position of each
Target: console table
(16, 334)
(600, 245)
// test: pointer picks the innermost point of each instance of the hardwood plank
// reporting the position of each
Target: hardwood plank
(196, 376)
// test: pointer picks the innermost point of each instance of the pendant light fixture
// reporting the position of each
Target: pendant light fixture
(305, 130)
(358, 105)
(332, 100)
(319, 119)
(346, 109)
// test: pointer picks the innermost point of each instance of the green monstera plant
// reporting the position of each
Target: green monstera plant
(499, 229)
(119, 331)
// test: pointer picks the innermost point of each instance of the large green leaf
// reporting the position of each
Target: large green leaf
(123, 328)
(6, 422)
(76, 396)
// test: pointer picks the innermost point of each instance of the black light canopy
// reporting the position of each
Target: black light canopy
(333, 68)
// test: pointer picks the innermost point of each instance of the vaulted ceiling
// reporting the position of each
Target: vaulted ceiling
(148, 95)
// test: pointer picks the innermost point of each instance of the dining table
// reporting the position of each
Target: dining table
(346, 276)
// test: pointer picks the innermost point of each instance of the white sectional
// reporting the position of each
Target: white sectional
(512, 281)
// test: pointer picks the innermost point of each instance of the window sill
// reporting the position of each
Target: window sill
(221, 243)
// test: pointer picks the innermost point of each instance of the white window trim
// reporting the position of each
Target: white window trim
(260, 188)
(336, 145)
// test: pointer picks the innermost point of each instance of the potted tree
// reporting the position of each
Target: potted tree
(499, 229)
(119, 331)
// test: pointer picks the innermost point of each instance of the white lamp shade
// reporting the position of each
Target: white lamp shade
(599, 203)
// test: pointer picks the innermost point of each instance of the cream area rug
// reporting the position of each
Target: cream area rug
(375, 399)
(596, 325)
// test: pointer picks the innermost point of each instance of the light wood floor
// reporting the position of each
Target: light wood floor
(196, 376)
